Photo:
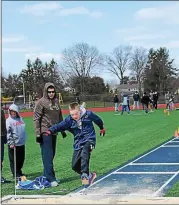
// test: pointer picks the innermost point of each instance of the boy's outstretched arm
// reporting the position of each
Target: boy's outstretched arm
(60, 127)
(98, 121)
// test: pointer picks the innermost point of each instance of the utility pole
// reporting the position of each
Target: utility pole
(24, 91)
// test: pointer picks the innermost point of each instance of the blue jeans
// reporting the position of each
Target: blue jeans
(48, 148)
(116, 106)
(125, 108)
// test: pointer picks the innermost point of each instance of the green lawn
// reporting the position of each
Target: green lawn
(127, 137)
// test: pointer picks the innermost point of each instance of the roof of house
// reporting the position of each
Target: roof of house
(127, 86)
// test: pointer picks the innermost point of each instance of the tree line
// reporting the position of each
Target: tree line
(81, 65)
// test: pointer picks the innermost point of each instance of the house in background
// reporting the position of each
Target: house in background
(130, 87)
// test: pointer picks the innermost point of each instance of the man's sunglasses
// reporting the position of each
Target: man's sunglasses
(50, 91)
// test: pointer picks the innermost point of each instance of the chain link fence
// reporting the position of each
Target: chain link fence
(106, 100)
(92, 101)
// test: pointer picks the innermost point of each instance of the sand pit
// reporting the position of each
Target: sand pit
(73, 199)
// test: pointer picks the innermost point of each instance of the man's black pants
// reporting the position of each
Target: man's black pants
(48, 148)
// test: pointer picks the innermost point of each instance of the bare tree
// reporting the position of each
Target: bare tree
(137, 67)
(118, 62)
(81, 60)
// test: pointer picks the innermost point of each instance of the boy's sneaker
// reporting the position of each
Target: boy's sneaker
(3, 180)
(54, 184)
(92, 177)
(84, 179)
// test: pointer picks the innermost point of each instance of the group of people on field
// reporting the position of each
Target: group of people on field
(147, 100)
(48, 122)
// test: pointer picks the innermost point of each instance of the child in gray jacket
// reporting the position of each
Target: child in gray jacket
(16, 139)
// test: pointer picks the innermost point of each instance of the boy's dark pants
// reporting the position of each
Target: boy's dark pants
(2, 152)
(48, 148)
(155, 104)
(81, 159)
(20, 157)
(146, 107)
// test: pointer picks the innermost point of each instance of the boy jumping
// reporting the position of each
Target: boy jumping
(80, 124)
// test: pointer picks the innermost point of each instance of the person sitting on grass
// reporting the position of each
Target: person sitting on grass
(80, 124)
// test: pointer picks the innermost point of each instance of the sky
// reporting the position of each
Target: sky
(43, 29)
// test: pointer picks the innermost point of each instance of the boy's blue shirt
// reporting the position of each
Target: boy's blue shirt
(83, 133)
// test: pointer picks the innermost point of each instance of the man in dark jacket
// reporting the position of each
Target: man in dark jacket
(145, 101)
(47, 112)
(136, 99)
(3, 140)
(155, 99)
(116, 103)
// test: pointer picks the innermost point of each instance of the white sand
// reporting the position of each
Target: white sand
(84, 200)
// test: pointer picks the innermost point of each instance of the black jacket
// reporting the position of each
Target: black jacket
(116, 99)
(136, 97)
(145, 99)
(3, 127)
(155, 97)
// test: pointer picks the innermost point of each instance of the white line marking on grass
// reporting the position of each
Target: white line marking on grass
(144, 172)
(150, 151)
(122, 167)
(143, 164)
(174, 141)
(171, 146)
(164, 185)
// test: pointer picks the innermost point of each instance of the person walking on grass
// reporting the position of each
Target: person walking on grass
(125, 104)
(16, 139)
(80, 124)
(155, 99)
(46, 113)
(116, 103)
(136, 98)
(145, 101)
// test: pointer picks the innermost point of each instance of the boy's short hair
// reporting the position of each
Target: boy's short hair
(74, 105)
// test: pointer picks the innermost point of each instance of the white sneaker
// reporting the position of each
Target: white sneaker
(58, 181)
(54, 183)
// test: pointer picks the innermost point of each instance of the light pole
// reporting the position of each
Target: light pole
(23, 91)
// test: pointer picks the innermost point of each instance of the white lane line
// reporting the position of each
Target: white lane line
(144, 172)
(171, 146)
(166, 183)
(143, 164)
(150, 151)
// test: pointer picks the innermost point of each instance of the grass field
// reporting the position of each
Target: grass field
(127, 137)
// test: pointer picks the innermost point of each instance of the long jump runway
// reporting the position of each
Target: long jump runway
(149, 175)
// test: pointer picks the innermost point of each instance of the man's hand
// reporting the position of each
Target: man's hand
(64, 134)
(102, 132)
(47, 133)
(12, 146)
